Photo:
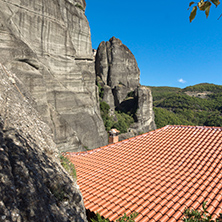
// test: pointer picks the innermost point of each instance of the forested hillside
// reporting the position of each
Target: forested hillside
(194, 105)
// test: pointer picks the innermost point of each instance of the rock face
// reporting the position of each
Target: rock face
(118, 74)
(47, 44)
(144, 114)
(33, 184)
(117, 68)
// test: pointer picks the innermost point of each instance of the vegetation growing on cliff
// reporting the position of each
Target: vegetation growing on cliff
(79, 6)
(120, 121)
(123, 116)
(175, 106)
(68, 166)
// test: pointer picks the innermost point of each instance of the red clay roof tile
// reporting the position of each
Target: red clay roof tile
(157, 174)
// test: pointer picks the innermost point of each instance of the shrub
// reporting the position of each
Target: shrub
(192, 215)
(124, 218)
(101, 90)
(124, 121)
(68, 166)
(104, 107)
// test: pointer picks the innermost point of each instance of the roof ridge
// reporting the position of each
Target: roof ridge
(119, 142)
(138, 136)
(190, 126)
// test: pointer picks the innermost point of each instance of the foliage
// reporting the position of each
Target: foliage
(99, 219)
(124, 115)
(164, 117)
(123, 121)
(104, 107)
(130, 218)
(204, 87)
(101, 90)
(182, 101)
(202, 5)
(200, 216)
(124, 218)
(120, 121)
(214, 119)
(107, 120)
(68, 166)
(174, 107)
(79, 6)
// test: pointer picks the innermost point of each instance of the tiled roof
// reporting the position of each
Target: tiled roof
(156, 174)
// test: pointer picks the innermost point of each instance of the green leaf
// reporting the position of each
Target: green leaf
(215, 2)
(207, 8)
(193, 13)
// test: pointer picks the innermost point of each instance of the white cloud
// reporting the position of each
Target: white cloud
(181, 81)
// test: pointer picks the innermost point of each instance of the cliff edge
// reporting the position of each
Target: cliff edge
(48, 45)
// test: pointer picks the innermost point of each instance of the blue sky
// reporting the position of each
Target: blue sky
(170, 50)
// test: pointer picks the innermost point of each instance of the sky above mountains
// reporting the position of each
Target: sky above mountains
(170, 50)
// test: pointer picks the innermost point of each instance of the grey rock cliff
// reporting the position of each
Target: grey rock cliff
(118, 74)
(48, 45)
(34, 187)
(117, 68)
(144, 114)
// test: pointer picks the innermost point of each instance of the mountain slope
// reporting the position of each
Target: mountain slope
(194, 105)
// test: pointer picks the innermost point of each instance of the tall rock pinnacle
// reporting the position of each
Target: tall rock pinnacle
(118, 73)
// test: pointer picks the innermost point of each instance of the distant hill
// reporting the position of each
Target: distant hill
(200, 105)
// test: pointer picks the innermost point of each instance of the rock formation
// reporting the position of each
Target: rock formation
(118, 70)
(118, 74)
(33, 185)
(47, 44)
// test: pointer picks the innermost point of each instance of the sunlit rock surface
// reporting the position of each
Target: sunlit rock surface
(118, 74)
(48, 45)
